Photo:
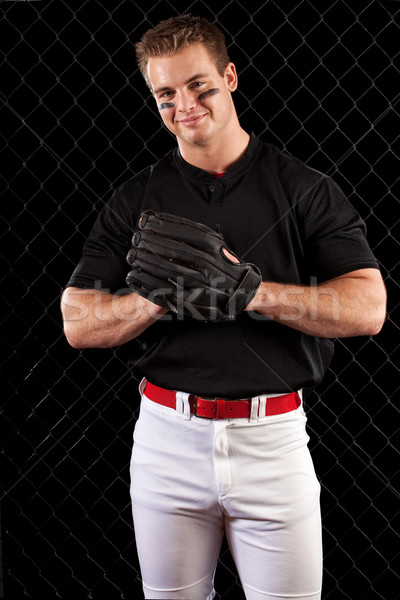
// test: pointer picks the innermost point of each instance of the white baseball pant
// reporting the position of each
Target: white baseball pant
(194, 479)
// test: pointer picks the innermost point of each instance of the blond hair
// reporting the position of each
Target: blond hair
(177, 33)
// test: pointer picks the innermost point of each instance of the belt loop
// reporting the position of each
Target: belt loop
(183, 405)
(254, 409)
(262, 407)
(142, 385)
(300, 395)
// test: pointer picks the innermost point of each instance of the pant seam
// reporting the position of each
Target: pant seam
(176, 589)
(270, 595)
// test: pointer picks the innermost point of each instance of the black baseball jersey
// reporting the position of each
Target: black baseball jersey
(293, 222)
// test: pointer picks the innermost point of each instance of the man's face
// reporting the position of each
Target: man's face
(194, 101)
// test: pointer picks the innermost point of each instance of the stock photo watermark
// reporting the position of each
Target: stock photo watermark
(293, 302)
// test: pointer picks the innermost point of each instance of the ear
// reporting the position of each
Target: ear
(231, 77)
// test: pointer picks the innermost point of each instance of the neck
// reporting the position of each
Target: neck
(216, 157)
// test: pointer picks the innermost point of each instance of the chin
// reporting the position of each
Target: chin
(200, 138)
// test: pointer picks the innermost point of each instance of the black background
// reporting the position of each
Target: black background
(322, 83)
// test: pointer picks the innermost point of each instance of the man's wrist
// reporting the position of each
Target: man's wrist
(262, 298)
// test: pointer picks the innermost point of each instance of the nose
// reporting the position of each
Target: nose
(186, 101)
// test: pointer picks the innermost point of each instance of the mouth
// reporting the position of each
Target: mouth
(191, 121)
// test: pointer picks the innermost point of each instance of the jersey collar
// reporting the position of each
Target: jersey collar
(235, 170)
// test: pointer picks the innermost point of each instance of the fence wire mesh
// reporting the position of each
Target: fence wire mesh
(321, 81)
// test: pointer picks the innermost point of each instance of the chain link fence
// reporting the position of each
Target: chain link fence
(321, 81)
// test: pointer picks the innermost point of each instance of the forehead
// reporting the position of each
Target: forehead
(177, 69)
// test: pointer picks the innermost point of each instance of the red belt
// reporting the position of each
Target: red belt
(219, 408)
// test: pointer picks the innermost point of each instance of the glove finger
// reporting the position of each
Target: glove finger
(176, 289)
(131, 256)
(177, 257)
(150, 217)
(190, 256)
(189, 276)
(178, 228)
(151, 289)
(161, 277)
(141, 276)
(196, 258)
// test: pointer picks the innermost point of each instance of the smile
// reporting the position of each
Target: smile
(190, 121)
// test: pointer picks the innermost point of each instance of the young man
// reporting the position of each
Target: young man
(245, 469)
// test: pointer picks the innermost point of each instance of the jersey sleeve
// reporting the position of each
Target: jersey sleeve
(103, 262)
(334, 233)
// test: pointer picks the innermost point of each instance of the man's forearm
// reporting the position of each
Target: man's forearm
(95, 319)
(351, 305)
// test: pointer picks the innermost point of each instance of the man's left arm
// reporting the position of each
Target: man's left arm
(353, 304)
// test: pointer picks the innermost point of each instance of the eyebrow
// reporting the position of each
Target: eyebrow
(193, 78)
(198, 76)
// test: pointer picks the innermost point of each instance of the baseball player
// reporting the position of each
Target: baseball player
(233, 265)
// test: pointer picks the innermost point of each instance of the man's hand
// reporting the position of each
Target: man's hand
(186, 267)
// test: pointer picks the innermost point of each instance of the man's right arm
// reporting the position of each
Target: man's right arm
(96, 319)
